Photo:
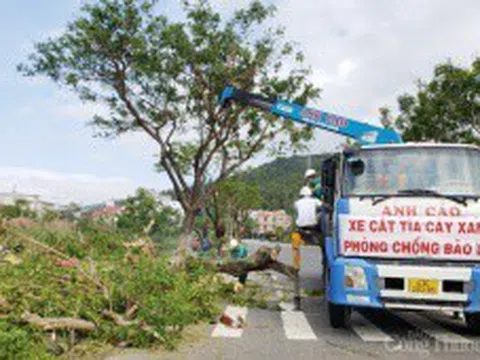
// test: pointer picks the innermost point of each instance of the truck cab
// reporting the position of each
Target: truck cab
(404, 229)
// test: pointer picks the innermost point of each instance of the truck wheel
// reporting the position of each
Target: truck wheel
(473, 322)
(339, 315)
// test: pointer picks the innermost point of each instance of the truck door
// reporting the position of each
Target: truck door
(329, 180)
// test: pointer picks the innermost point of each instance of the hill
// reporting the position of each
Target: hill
(280, 180)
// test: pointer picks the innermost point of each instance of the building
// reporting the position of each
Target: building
(107, 211)
(268, 221)
(110, 210)
(34, 202)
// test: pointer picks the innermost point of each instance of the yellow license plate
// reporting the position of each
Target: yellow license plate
(424, 286)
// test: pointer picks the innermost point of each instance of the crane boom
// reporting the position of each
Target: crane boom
(362, 132)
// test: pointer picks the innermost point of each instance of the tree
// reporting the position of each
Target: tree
(71, 212)
(49, 215)
(446, 109)
(230, 202)
(20, 209)
(162, 77)
(143, 215)
(279, 233)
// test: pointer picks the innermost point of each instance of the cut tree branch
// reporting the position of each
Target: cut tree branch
(263, 259)
(63, 323)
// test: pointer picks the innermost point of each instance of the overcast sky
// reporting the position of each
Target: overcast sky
(363, 53)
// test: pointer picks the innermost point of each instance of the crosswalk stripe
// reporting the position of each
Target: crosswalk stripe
(296, 326)
(367, 331)
(286, 306)
(222, 330)
(431, 328)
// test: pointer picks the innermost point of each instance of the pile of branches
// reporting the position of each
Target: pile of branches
(63, 287)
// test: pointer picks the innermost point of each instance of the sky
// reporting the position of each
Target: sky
(364, 54)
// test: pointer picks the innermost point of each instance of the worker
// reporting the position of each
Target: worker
(205, 238)
(314, 182)
(307, 209)
(238, 251)
(307, 222)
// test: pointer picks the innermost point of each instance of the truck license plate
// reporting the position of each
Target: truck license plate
(423, 286)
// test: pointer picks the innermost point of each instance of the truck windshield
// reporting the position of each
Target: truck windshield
(394, 171)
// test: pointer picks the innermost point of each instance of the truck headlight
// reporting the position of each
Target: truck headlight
(355, 277)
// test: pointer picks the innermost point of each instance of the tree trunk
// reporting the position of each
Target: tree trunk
(214, 215)
(263, 259)
(188, 224)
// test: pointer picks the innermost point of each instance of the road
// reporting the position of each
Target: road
(311, 270)
(285, 335)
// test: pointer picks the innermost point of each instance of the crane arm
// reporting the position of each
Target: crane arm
(362, 132)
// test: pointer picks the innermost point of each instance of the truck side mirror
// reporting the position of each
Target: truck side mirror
(356, 165)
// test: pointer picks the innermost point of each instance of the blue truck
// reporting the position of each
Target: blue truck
(404, 218)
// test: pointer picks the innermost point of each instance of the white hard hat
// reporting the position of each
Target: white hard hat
(305, 191)
(310, 172)
(234, 243)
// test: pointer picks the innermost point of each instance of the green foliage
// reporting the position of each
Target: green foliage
(236, 197)
(250, 225)
(50, 215)
(280, 233)
(108, 277)
(144, 215)
(21, 208)
(163, 77)
(17, 343)
(231, 200)
(71, 212)
(280, 181)
(445, 109)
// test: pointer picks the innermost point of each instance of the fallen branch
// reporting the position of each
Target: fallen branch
(39, 244)
(58, 323)
(63, 256)
(131, 311)
(3, 301)
(118, 319)
(4, 305)
(146, 246)
(265, 258)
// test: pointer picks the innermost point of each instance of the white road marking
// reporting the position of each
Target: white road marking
(436, 331)
(221, 330)
(286, 306)
(296, 326)
(367, 331)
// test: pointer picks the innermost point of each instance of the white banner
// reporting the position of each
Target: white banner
(452, 238)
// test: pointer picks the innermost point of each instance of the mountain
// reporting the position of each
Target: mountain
(281, 180)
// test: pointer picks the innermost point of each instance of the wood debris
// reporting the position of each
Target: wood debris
(63, 323)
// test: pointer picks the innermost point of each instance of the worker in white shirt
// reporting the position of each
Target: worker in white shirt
(307, 210)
